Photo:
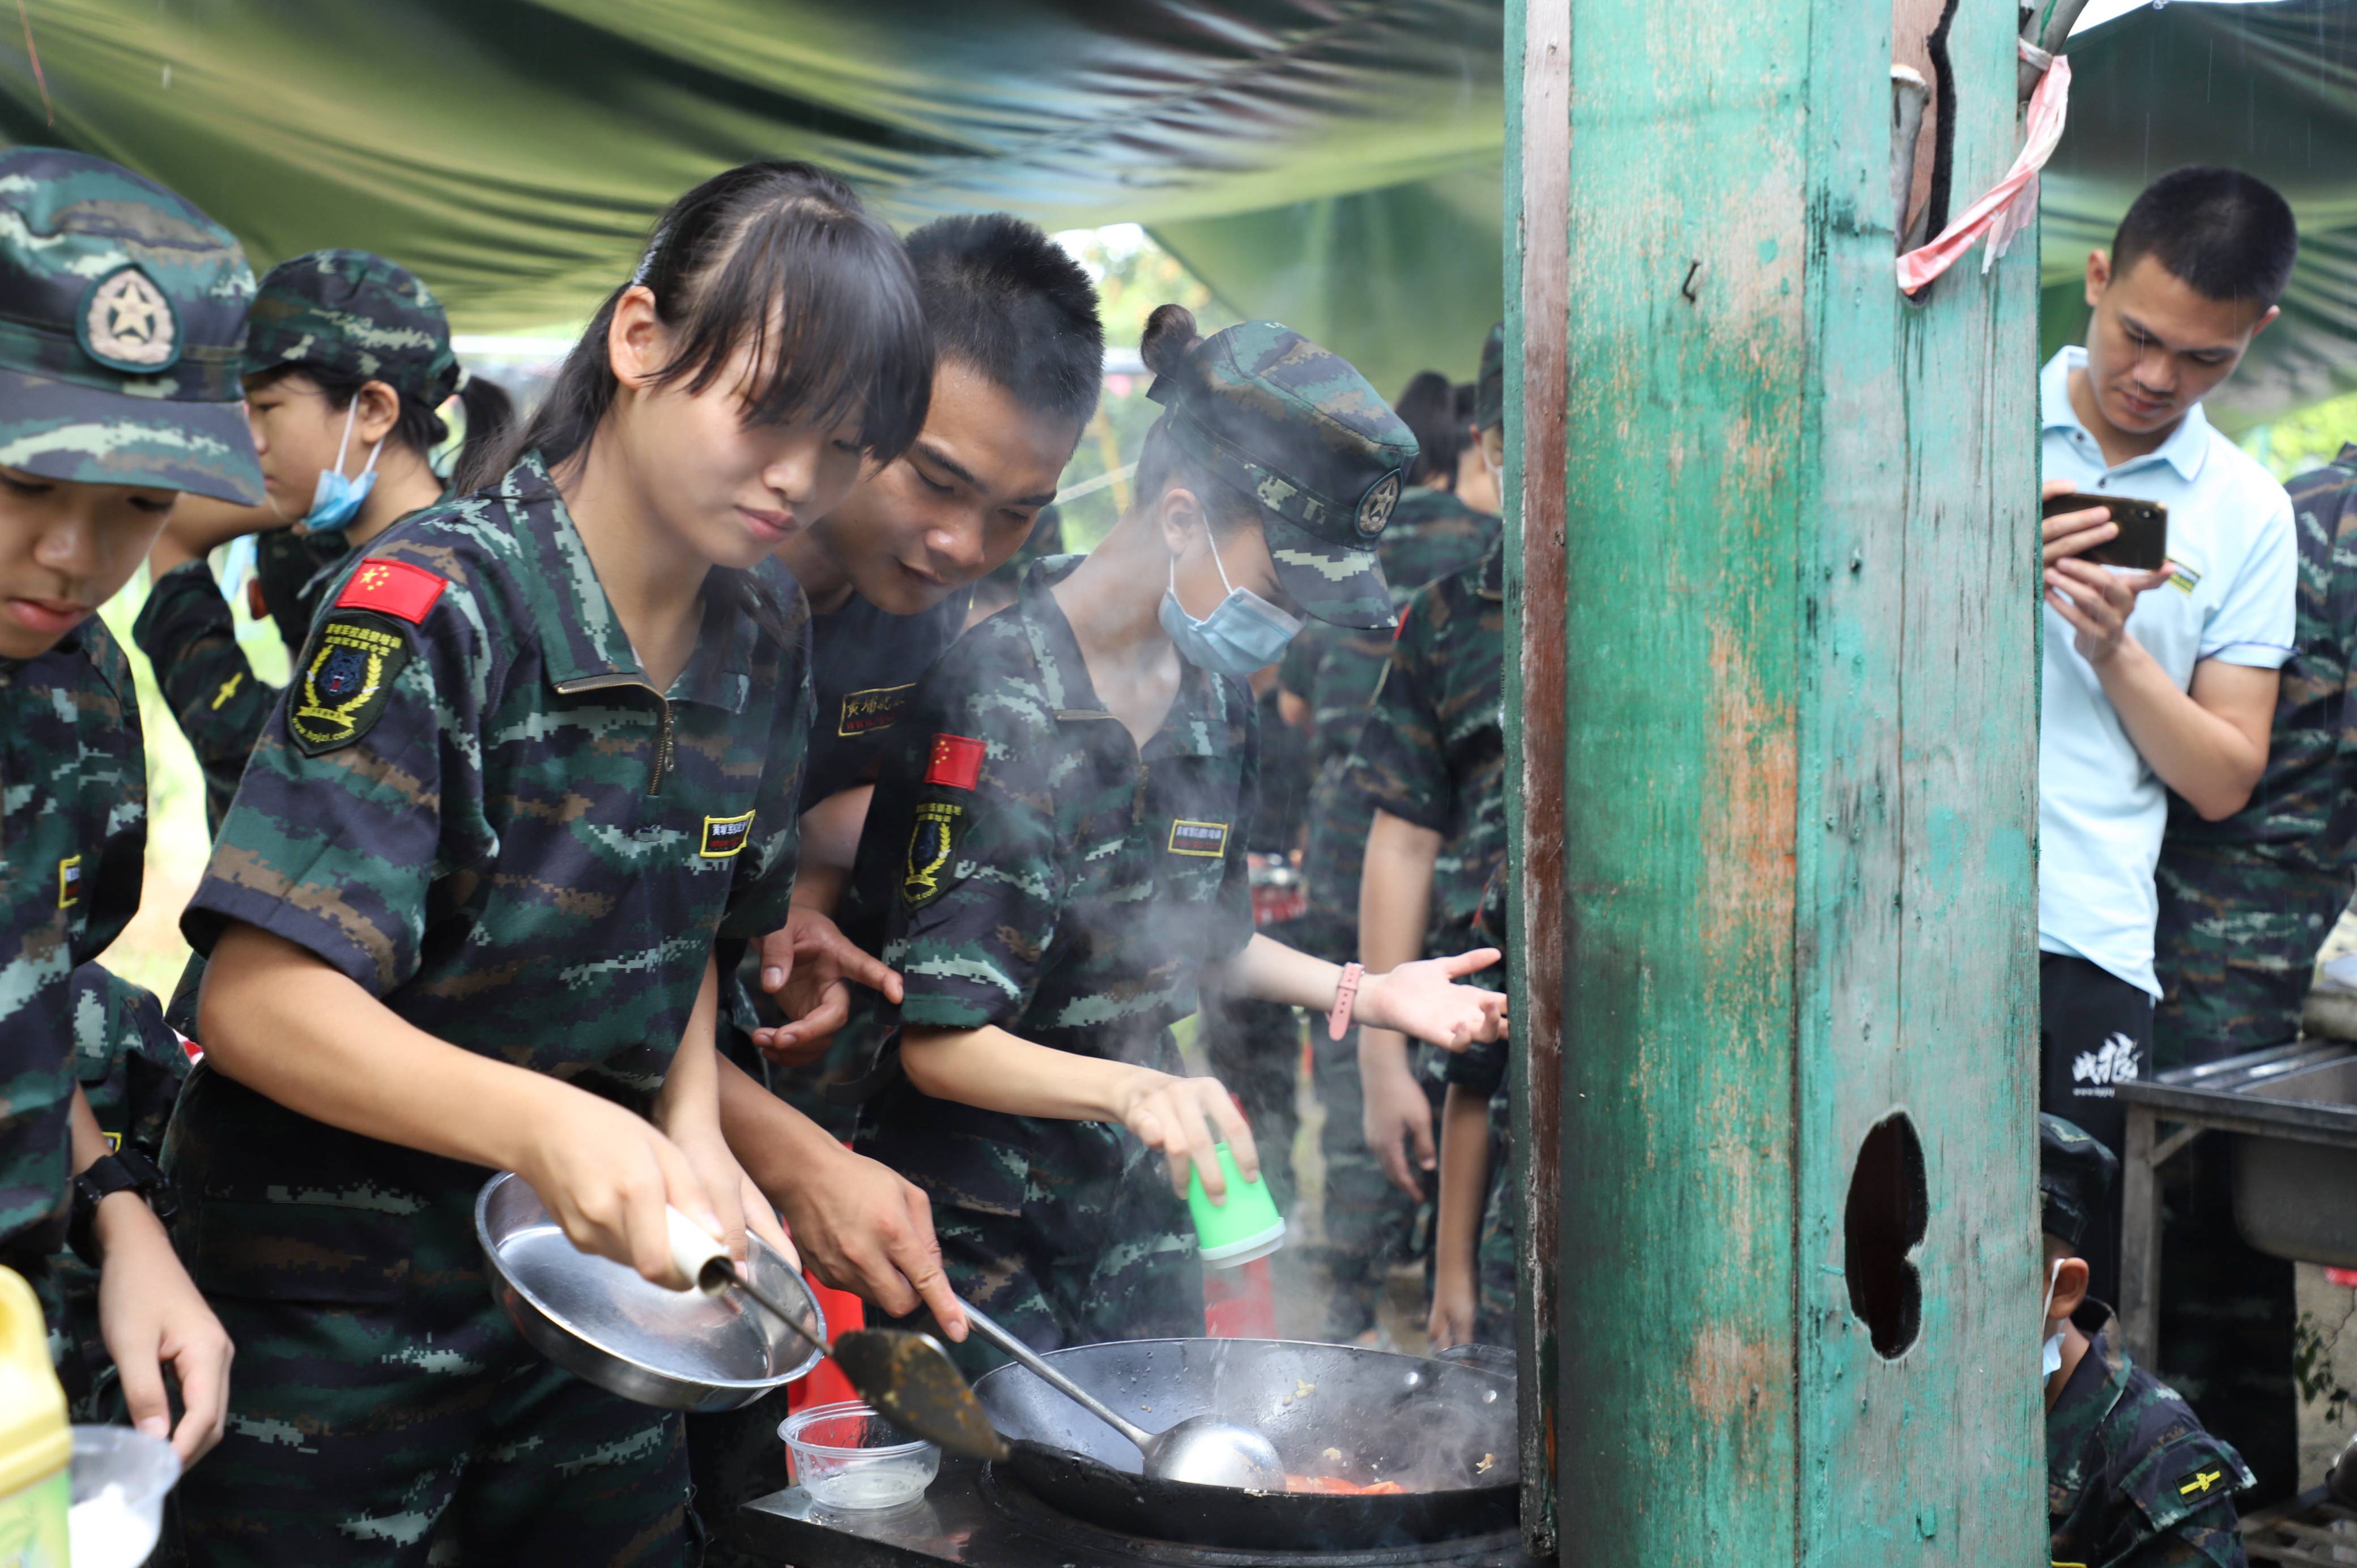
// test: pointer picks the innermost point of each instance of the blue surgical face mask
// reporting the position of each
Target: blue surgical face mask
(336, 501)
(2050, 1359)
(1245, 633)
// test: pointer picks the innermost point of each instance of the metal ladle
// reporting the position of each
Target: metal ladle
(906, 1378)
(1202, 1449)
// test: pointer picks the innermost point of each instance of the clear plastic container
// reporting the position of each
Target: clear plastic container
(120, 1477)
(846, 1457)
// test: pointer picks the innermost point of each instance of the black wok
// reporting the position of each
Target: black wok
(1442, 1430)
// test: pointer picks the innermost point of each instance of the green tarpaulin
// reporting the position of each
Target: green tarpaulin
(1330, 162)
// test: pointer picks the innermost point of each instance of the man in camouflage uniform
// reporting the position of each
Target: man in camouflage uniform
(2132, 1479)
(1331, 673)
(346, 312)
(508, 837)
(1032, 868)
(2245, 904)
(1479, 1071)
(117, 391)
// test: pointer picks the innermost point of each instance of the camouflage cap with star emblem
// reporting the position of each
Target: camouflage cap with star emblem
(1304, 433)
(121, 335)
(356, 312)
(2075, 1178)
(1489, 384)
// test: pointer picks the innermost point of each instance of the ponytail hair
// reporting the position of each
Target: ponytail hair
(775, 259)
(1162, 466)
(489, 411)
(1428, 408)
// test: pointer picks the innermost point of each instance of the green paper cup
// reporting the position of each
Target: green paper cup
(1245, 1226)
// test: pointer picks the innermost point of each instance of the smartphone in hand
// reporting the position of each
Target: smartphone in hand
(2142, 543)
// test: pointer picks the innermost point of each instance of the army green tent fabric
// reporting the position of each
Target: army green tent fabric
(2267, 87)
(1330, 162)
(513, 152)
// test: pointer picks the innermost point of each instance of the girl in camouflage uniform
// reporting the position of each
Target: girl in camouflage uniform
(1056, 853)
(346, 365)
(532, 787)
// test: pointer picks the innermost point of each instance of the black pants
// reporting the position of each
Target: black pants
(2094, 1031)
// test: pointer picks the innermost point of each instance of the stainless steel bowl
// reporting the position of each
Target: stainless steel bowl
(605, 1322)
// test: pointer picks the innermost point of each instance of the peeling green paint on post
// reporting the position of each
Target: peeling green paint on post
(1799, 744)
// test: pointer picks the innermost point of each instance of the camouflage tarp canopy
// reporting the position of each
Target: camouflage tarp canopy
(1334, 163)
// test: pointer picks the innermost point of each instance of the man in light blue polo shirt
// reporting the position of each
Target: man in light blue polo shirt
(2153, 681)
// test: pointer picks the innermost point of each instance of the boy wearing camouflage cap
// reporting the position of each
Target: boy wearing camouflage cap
(1056, 853)
(2132, 1479)
(1372, 1193)
(347, 360)
(118, 391)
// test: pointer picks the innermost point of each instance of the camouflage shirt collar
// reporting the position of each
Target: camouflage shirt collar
(581, 637)
(1198, 716)
(2095, 1387)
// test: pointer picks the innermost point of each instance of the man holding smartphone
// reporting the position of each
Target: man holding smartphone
(2155, 682)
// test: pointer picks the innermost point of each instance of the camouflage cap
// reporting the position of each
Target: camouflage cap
(1300, 431)
(2075, 1178)
(1490, 386)
(120, 339)
(355, 312)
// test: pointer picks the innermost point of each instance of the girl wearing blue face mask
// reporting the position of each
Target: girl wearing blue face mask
(1055, 857)
(348, 369)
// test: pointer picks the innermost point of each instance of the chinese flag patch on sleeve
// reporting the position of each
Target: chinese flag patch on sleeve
(394, 587)
(957, 761)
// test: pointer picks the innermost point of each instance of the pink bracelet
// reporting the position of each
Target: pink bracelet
(1345, 993)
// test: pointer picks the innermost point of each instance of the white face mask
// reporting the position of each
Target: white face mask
(2050, 1359)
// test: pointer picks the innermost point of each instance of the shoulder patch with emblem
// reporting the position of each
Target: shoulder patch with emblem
(1208, 840)
(2206, 1480)
(726, 836)
(345, 684)
(393, 588)
(956, 761)
(932, 839)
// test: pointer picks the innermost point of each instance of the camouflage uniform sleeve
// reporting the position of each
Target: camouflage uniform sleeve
(2184, 1491)
(371, 764)
(1398, 765)
(1297, 671)
(129, 1061)
(982, 883)
(187, 631)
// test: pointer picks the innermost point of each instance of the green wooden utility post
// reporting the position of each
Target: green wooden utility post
(1775, 719)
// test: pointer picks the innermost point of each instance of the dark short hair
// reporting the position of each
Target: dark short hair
(1428, 407)
(2222, 233)
(1003, 297)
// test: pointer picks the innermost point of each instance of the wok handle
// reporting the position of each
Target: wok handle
(1036, 1365)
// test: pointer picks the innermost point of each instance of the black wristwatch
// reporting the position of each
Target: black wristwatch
(127, 1171)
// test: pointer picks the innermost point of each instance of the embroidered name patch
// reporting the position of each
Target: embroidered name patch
(346, 683)
(1207, 839)
(70, 882)
(396, 588)
(932, 841)
(957, 761)
(725, 836)
(878, 708)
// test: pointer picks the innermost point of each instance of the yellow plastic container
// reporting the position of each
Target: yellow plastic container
(36, 1442)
